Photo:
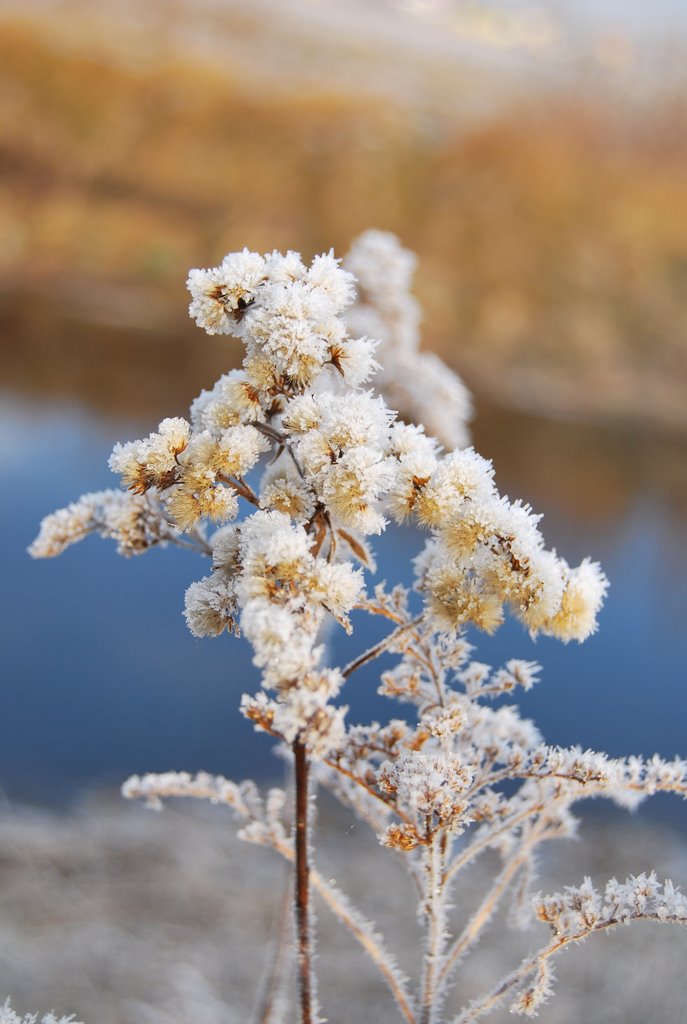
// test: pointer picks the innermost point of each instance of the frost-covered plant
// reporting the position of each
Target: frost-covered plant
(466, 776)
(8, 1016)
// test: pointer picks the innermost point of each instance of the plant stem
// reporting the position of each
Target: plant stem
(435, 923)
(270, 1004)
(302, 893)
(481, 916)
(383, 645)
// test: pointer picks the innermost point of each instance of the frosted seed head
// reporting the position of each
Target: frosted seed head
(284, 491)
(355, 361)
(153, 461)
(225, 549)
(135, 522)
(210, 606)
(583, 595)
(232, 400)
(328, 278)
(221, 295)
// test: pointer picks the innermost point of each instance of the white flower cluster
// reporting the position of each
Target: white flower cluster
(287, 315)
(267, 582)
(342, 464)
(342, 444)
(265, 568)
(488, 552)
(197, 474)
(427, 787)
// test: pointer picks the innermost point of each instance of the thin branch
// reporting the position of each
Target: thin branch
(368, 789)
(484, 1004)
(480, 844)
(188, 545)
(483, 914)
(435, 916)
(302, 887)
(362, 929)
(194, 535)
(280, 439)
(270, 1007)
(203, 786)
(369, 940)
(377, 649)
(241, 487)
(378, 609)
(271, 432)
(437, 676)
(201, 541)
(422, 660)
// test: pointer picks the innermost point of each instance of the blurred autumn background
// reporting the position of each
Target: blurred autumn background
(534, 155)
(535, 158)
(539, 173)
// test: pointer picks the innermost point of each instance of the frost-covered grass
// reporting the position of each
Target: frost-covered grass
(126, 917)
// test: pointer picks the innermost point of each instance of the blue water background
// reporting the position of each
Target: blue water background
(101, 678)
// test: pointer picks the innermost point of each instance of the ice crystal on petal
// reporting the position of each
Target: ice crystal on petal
(153, 461)
(283, 490)
(583, 594)
(211, 606)
(220, 295)
(326, 276)
(355, 360)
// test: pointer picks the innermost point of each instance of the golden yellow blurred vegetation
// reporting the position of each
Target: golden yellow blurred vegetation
(551, 233)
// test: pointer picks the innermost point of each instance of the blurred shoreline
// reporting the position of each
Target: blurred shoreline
(546, 199)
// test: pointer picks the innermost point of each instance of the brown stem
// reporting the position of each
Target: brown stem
(378, 609)
(379, 648)
(264, 428)
(280, 439)
(341, 908)
(241, 487)
(302, 904)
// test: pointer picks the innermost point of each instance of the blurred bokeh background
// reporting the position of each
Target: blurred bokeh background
(533, 155)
